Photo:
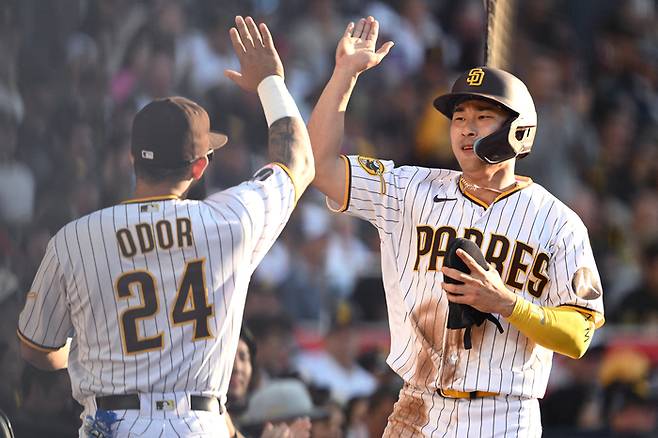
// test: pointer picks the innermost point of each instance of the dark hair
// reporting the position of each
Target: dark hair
(263, 326)
(156, 174)
(248, 338)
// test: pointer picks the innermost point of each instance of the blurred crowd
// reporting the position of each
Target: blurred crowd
(74, 72)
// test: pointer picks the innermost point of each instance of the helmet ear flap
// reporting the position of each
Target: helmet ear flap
(521, 137)
(509, 141)
(496, 147)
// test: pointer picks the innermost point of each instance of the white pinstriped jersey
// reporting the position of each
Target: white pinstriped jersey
(535, 241)
(153, 291)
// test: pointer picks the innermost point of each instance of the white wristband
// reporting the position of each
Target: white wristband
(276, 100)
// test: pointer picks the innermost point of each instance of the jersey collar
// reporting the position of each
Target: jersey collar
(150, 199)
(522, 182)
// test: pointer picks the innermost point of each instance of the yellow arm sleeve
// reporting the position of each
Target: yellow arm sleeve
(564, 330)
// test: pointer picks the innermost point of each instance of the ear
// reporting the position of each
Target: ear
(199, 167)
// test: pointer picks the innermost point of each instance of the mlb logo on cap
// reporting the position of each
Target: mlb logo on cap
(176, 132)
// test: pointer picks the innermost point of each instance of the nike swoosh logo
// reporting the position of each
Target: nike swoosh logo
(439, 199)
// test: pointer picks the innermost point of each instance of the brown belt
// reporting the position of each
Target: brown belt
(451, 393)
(131, 401)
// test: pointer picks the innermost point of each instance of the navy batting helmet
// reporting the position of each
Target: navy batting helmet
(516, 135)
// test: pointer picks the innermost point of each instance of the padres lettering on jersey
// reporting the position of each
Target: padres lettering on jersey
(536, 243)
(153, 290)
(526, 264)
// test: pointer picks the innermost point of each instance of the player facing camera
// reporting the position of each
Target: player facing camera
(515, 137)
(531, 254)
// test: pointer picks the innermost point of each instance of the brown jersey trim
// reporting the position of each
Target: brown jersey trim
(348, 188)
(34, 345)
(522, 182)
(292, 180)
(151, 199)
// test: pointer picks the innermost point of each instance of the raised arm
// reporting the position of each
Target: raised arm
(355, 54)
(262, 71)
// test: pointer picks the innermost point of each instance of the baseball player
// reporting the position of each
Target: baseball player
(150, 293)
(542, 283)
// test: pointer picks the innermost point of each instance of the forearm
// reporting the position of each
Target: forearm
(289, 143)
(561, 329)
(46, 360)
(326, 129)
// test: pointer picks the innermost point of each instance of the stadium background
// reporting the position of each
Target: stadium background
(74, 72)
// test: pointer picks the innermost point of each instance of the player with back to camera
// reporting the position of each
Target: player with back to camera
(152, 291)
(542, 282)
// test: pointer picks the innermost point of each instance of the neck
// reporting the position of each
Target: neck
(495, 179)
(150, 190)
(489, 183)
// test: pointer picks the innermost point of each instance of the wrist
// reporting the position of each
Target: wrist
(276, 99)
(344, 72)
(509, 304)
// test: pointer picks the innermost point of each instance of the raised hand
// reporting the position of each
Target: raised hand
(300, 428)
(356, 49)
(256, 52)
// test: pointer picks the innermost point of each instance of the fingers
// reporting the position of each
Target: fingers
(245, 36)
(367, 27)
(384, 49)
(267, 36)
(253, 31)
(456, 274)
(358, 30)
(301, 428)
(372, 31)
(454, 293)
(236, 41)
(348, 30)
(470, 262)
(236, 77)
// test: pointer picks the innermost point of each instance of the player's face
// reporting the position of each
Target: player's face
(472, 120)
(241, 375)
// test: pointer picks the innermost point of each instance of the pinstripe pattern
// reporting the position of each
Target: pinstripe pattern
(75, 292)
(440, 417)
(517, 232)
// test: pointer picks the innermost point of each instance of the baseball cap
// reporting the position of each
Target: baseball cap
(172, 132)
(281, 400)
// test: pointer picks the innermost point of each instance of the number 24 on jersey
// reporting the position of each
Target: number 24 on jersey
(190, 306)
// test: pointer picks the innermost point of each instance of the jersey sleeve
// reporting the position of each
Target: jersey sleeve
(374, 191)
(575, 278)
(263, 204)
(45, 321)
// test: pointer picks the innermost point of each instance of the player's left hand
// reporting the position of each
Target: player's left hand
(482, 289)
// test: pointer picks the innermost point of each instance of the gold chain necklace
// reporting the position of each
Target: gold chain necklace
(472, 186)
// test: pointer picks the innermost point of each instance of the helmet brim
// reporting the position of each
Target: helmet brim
(446, 103)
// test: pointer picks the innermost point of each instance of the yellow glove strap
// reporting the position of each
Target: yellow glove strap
(564, 330)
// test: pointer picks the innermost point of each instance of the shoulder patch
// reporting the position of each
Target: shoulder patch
(262, 174)
(371, 165)
(374, 167)
(586, 284)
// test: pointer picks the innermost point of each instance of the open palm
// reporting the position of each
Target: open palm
(356, 49)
